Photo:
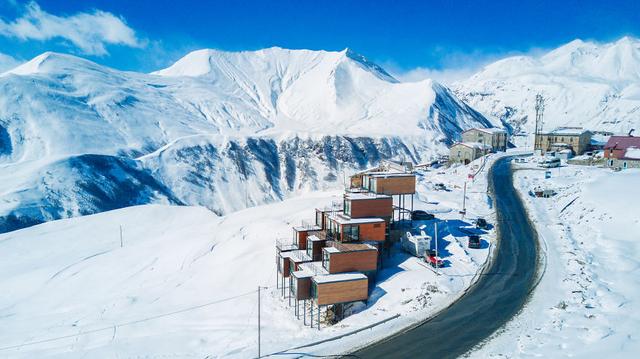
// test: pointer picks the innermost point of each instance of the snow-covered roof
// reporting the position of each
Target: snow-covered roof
(491, 130)
(314, 238)
(390, 174)
(331, 249)
(307, 228)
(476, 145)
(299, 256)
(366, 195)
(302, 274)
(567, 131)
(339, 277)
(341, 219)
(314, 267)
(632, 153)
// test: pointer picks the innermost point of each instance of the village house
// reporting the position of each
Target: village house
(465, 152)
(576, 139)
(332, 263)
(622, 152)
(496, 138)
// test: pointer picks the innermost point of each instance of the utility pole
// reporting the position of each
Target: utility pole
(435, 234)
(539, 111)
(464, 199)
(121, 242)
(259, 355)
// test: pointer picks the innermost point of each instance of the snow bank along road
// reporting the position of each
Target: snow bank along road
(499, 294)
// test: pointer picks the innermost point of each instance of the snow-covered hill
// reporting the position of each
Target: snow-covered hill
(220, 129)
(596, 86)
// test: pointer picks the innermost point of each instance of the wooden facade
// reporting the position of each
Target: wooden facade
(283, 264)
(361, 206)
(373, 231)
(339, 291)
(301, 285)
(350, 258)
(392, 184)
(314, 247)
(345, 229)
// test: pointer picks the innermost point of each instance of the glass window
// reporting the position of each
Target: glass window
(314, 290)
(347, 207)
(325, 260)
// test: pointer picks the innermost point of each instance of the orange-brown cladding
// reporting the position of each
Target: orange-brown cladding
(380, 207)
(360, 261)
(396, 185)
(372, 231)
(304, 286)
(342, 292)
(302, 238)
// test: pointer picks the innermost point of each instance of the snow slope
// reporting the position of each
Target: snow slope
(184, 281)
(270, 123)
(593, 85)
(586, 305)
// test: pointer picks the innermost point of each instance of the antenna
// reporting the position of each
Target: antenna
(539, 111)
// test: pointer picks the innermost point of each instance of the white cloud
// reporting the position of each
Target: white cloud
(89, 32)
(7, 62)
(446, 76)
(457, 65)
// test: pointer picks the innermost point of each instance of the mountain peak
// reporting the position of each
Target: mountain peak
(50, 61)
(209, 62)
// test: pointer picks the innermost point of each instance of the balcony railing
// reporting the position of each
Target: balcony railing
(283, 244)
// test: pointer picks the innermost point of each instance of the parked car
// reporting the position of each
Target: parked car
(440, 187)
(481, 223)
(550, 163)
(473, 242)
(421, 216)
(431, 258)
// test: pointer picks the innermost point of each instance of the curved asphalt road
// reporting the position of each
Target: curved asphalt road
(497, 296)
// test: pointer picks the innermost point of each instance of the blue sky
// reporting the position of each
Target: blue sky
(403, 36)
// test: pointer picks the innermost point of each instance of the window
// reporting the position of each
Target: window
(351, 233)
(347, 207)
(319, 219)
(325, 259)
(314, 289)
(624, 164)
(309, 248)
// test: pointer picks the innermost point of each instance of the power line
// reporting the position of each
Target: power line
(113, 326)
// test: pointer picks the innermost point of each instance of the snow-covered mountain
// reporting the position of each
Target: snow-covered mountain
(593, 85)
(220, 129)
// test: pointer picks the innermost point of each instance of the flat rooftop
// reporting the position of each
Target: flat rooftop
(566, 131)
(389, 174)
(342, 219)
(339, 277)
(490, 130)
(299, 256)
(314, 238)
(302, 273)
(365, 196)
(315, 268)
(306, 228)
(353, 247)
